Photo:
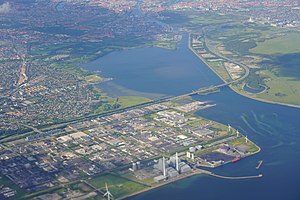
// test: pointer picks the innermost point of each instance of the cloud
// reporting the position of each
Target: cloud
(5, 8)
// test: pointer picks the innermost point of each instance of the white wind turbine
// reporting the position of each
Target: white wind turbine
(108, 194)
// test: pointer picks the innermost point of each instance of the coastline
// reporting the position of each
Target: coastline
(193, 173)
(203, 60)
(196, 171)
(264, 100)
(234, 89)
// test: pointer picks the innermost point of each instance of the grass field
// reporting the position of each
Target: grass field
(126, 101)
(277, 66)
(219, 67)
(72, 69)
(252, 148)
(286, 44)
(92, 78)
(282, 89)
(8, 183)
(118, 186)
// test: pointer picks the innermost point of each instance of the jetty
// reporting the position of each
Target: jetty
(259, 164)
(230, 177)
(195, 172)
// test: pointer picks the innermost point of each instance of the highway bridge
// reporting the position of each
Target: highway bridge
(213, 87)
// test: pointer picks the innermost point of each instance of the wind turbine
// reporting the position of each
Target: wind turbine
(229, 128)
(246, 139)
(237, 133)
(108, 194)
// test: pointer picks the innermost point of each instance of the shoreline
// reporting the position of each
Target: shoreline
(203, 60)
(235, 89)
(264, 100)
(197, 171)
(193, 173)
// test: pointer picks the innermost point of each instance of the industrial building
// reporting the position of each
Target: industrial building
(170, 168)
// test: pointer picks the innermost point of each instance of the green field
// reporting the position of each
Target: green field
(126, 101)
(219, 67)
(251, 147)
(93, 78)
(8, 183)
(118, 186)
(282, 89)
(271, 54)
(72, 69)
(286, 44)
(107, 103)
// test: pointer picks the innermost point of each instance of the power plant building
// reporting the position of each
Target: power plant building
(184, 167)
(171, 172)
(170, 168)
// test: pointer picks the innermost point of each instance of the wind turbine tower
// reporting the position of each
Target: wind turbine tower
(237, 133)
(246, 139)
(108, 194)
(229, 128)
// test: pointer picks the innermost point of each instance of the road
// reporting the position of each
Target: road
(247, 71)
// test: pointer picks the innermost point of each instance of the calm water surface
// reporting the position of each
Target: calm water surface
(154, 70)
(275, 128)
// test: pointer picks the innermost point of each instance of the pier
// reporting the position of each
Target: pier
(259, 164)
(230, 177)
(195, 172)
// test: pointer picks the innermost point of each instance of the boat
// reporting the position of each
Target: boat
(235, 159)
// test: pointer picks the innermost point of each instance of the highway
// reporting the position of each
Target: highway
(246, 74)
(247, 71)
